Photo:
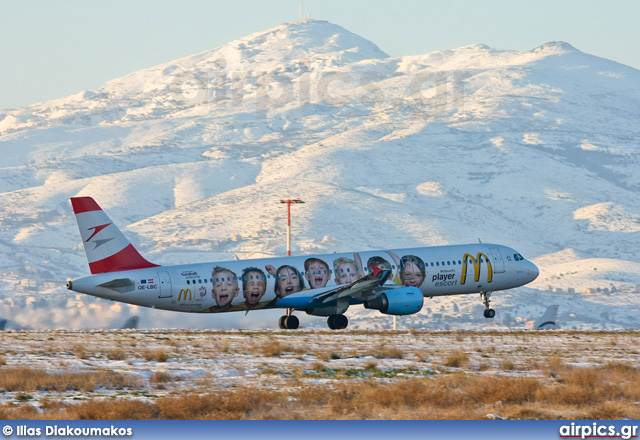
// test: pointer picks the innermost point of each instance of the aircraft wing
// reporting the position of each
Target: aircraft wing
(359, 289)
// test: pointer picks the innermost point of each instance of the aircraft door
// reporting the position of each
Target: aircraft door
(165, 285)
(498, 262)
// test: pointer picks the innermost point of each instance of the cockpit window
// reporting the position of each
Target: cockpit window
(518, 257)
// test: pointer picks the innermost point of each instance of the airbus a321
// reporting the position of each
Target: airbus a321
(394, 282)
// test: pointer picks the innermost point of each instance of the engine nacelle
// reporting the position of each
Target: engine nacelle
(401, 301)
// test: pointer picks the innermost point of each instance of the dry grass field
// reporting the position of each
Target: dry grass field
(159, 374)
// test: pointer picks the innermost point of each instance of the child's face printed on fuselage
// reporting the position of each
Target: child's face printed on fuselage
(318, 275)
(347, 273)
(412, 276)
(288, 282)
(225, 287)
(254, 287)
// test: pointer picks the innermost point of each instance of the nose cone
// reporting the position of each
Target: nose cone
(533, 271)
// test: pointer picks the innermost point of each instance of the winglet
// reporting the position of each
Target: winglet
(107, 249)
(383, 274)
(376, 270)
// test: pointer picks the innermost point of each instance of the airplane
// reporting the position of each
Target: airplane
(548, 319)
(131, 323)
(394, 282)
(6, 324)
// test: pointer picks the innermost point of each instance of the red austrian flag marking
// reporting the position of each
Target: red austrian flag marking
(96, 229)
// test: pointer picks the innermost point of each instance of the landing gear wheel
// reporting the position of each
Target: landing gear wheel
(488, 311)
(337, 322)
(291, 322)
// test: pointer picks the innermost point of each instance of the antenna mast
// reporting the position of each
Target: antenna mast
(300, 14)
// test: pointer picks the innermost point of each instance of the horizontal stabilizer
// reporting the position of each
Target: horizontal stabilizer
(120, 284)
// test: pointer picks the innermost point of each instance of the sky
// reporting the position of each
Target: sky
(54, 49)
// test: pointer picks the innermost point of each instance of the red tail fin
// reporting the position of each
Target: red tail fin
(107, 249)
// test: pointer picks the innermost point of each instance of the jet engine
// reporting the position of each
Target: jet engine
(401, 301)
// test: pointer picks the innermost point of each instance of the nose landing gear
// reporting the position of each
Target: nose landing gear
(488, 311)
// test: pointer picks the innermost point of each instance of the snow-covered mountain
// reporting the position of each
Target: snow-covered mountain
(538, 150)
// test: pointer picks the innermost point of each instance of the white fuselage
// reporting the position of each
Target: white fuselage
(437, 271)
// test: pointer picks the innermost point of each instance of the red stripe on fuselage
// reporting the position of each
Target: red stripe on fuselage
(127, 259)
(84, 204)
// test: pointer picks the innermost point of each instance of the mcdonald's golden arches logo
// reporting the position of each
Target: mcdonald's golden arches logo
(183, 294)
(477, 265)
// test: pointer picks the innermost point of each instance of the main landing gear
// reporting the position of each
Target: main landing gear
(289, 321)
(488, 311)
(337, 322)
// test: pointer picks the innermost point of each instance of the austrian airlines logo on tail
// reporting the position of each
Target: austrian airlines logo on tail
(109, 253)
(97, 229)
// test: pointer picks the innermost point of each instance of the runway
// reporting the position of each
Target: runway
(42, 370)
